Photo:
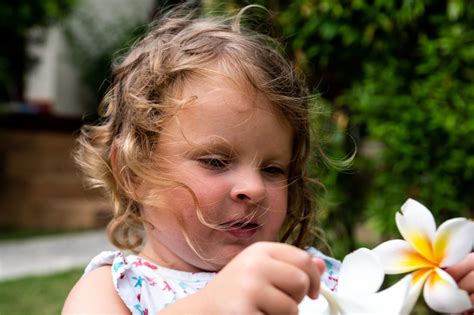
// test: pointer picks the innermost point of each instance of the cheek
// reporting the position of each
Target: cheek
(279, 204)
(210, 192)
(278, 197)
(169, 204)
(201, 198)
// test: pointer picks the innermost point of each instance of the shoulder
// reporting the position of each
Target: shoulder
(95, 293)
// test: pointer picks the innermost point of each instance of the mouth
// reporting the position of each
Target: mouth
(243, 226)
(241, 229)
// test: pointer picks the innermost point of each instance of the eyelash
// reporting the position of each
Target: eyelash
(274, 170)
(221, 164)
(214, 163)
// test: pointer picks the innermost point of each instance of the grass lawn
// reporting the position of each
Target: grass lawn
(37, 295)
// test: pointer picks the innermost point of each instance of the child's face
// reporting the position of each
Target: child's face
(233, 152)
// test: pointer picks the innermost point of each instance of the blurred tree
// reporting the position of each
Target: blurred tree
(17, 19)
(93, 61)
(399, 75)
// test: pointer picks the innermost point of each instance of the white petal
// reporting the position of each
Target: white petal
(395, 297)
(443, 295)
(361, 273)
(348, 304)
(453, 241)
(397, 256)
(389, 301)
(419, 277)
(417, 226)
(318, 306)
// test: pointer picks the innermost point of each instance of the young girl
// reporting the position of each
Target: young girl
(203, 149)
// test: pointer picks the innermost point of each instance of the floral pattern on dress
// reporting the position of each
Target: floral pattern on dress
(147, 288)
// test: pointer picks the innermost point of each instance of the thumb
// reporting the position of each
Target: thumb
(320, 264)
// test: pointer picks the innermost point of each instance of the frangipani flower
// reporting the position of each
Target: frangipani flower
(426, 251)
(360, 277)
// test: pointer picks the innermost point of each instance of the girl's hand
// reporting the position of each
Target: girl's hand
(266, 277)
(463, 273)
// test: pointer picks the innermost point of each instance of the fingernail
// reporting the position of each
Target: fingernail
(314, 294)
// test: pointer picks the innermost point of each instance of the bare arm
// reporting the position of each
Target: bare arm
(95, 293)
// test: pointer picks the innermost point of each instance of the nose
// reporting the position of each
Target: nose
(249, 187)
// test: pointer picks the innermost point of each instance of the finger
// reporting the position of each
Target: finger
(274, 301)
(461, 269)
(302, 260)
(467, 283)
(289, 279)
(320, 264)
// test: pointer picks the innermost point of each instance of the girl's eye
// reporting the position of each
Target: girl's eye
(214, 163)
(274, 170)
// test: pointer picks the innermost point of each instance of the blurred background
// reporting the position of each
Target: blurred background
(394, 80)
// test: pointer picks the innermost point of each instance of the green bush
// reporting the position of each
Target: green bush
(401, 73)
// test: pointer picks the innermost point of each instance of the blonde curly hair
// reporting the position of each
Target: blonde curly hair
(116, 153)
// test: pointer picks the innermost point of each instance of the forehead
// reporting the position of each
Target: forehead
(223, 110)
(227, 94)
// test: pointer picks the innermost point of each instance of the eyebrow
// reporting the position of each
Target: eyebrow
(210, 145)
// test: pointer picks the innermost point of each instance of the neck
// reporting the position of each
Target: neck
(167, 258)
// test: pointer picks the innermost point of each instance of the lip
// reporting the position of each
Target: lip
(243, 230)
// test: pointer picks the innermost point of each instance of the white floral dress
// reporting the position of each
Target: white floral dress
(147, 288)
